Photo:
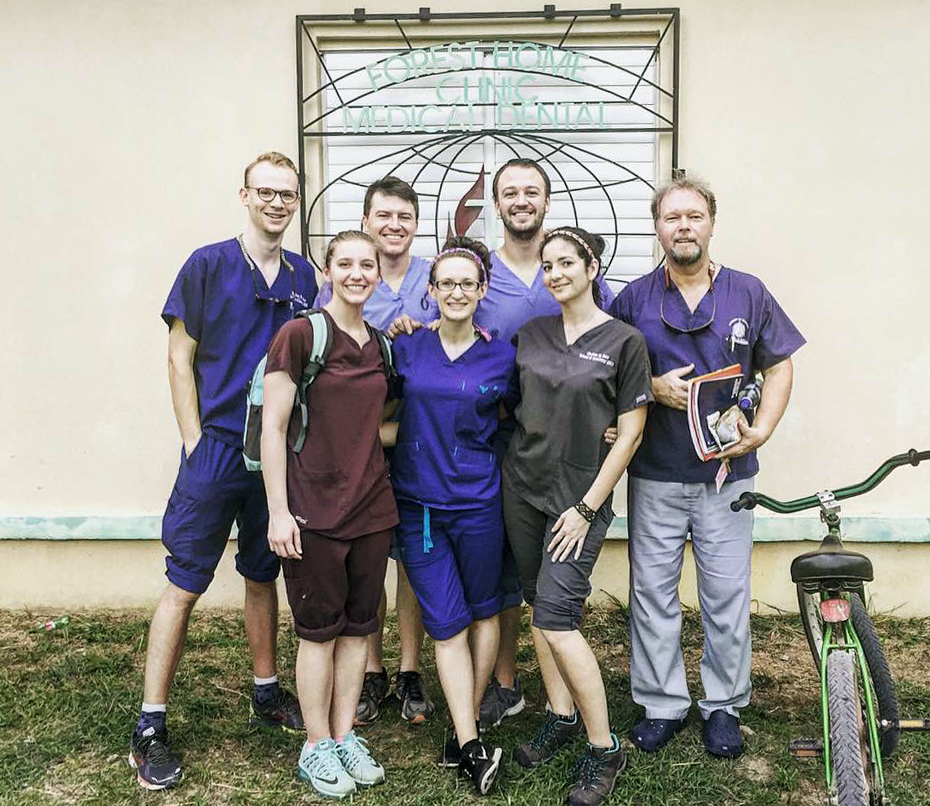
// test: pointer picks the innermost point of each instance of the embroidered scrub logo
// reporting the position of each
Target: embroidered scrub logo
(299, 299)
(600, 358)
(739, 329)
(485, 389)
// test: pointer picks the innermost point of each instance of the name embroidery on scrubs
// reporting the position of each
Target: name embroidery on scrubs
(600, 358)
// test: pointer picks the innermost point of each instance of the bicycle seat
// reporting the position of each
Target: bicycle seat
(845, 565)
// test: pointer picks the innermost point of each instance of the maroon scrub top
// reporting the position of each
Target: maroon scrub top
(337, 486)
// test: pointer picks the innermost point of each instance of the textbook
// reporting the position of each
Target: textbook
(713, 410)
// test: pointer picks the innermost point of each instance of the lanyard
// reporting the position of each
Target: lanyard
(253, 269)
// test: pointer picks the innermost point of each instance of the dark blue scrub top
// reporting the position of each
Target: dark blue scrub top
(385, 305)
(749, 328)
(509, 303)
(215, 296)
(444, 457)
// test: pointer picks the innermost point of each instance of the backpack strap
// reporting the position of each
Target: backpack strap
(319, 352)
(387, 355)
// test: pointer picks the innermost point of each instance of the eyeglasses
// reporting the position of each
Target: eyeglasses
(696, 328)
(268, 194)
(468, 286)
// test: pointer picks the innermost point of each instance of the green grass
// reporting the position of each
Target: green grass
(68, 700)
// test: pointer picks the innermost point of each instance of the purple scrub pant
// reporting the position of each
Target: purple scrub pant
(214, 490)
(453, 559)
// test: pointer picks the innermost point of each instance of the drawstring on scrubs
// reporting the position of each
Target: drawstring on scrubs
(427, 538)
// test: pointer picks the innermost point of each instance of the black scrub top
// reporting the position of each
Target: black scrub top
(570, 394)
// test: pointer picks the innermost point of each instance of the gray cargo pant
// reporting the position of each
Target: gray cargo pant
(661, 515)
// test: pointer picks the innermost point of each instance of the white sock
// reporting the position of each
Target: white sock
(265, 681)
(154, 708)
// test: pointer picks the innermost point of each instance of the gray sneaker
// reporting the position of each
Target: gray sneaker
(374, 689)
(553, 734)
(597, 772)
(415, 705)
(500, 702)
(356, 759)
(323, 770)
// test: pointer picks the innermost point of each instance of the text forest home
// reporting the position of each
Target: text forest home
(514, 93)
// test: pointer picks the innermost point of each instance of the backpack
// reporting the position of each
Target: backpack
(316, 361)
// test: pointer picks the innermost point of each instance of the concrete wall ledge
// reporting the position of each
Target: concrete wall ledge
(68, 575)
(768, 528)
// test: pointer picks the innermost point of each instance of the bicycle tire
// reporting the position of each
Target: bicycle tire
(883, 686)
(847, 748)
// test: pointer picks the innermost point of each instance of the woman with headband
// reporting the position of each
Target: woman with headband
(580, 372)
(447, 485)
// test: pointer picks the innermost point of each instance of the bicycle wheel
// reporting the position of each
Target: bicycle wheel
(848, 757)
(886, 698)
(883, 686)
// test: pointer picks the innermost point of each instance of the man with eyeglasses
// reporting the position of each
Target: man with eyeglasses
(227, 303)
(697, 317)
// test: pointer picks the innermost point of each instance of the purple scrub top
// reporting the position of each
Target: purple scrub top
(749, 328)
(444, 457)
(228, 309)
(509, 303)
(385, 305)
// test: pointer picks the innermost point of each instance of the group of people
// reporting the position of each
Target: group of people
(480, 449)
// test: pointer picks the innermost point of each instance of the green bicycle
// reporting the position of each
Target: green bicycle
(861, 719)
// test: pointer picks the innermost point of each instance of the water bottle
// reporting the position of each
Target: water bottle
(53, 624)
(750, 396)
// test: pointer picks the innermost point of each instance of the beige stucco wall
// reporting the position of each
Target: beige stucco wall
(80, 578)
(126, 126)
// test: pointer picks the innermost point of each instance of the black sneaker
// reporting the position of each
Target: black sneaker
(155, 765)
(480, 765)
(415, 706)
(553, 734)
(597, 773)
(500, 702)
(451, 754)
(282, 713)
(374, 689)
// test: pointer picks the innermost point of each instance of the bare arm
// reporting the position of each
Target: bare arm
(775, 394)
(283, 532)
(571, 528)
(181, 352)
(389, 434)
(388, 428)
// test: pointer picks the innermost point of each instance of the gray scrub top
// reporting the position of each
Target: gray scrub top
(569, 395)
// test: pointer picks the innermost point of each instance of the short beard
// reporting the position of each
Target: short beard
(524, 235)
(688, 259)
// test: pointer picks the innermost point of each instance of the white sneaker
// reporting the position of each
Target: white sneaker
(356, 759)
(323, 770)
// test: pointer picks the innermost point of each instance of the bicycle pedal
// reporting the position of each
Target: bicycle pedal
(904, 724)
(806, 748)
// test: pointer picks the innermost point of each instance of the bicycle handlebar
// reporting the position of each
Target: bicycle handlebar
(750, 500)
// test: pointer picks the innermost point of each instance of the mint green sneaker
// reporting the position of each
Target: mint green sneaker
(356, 759)
(321, 768)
